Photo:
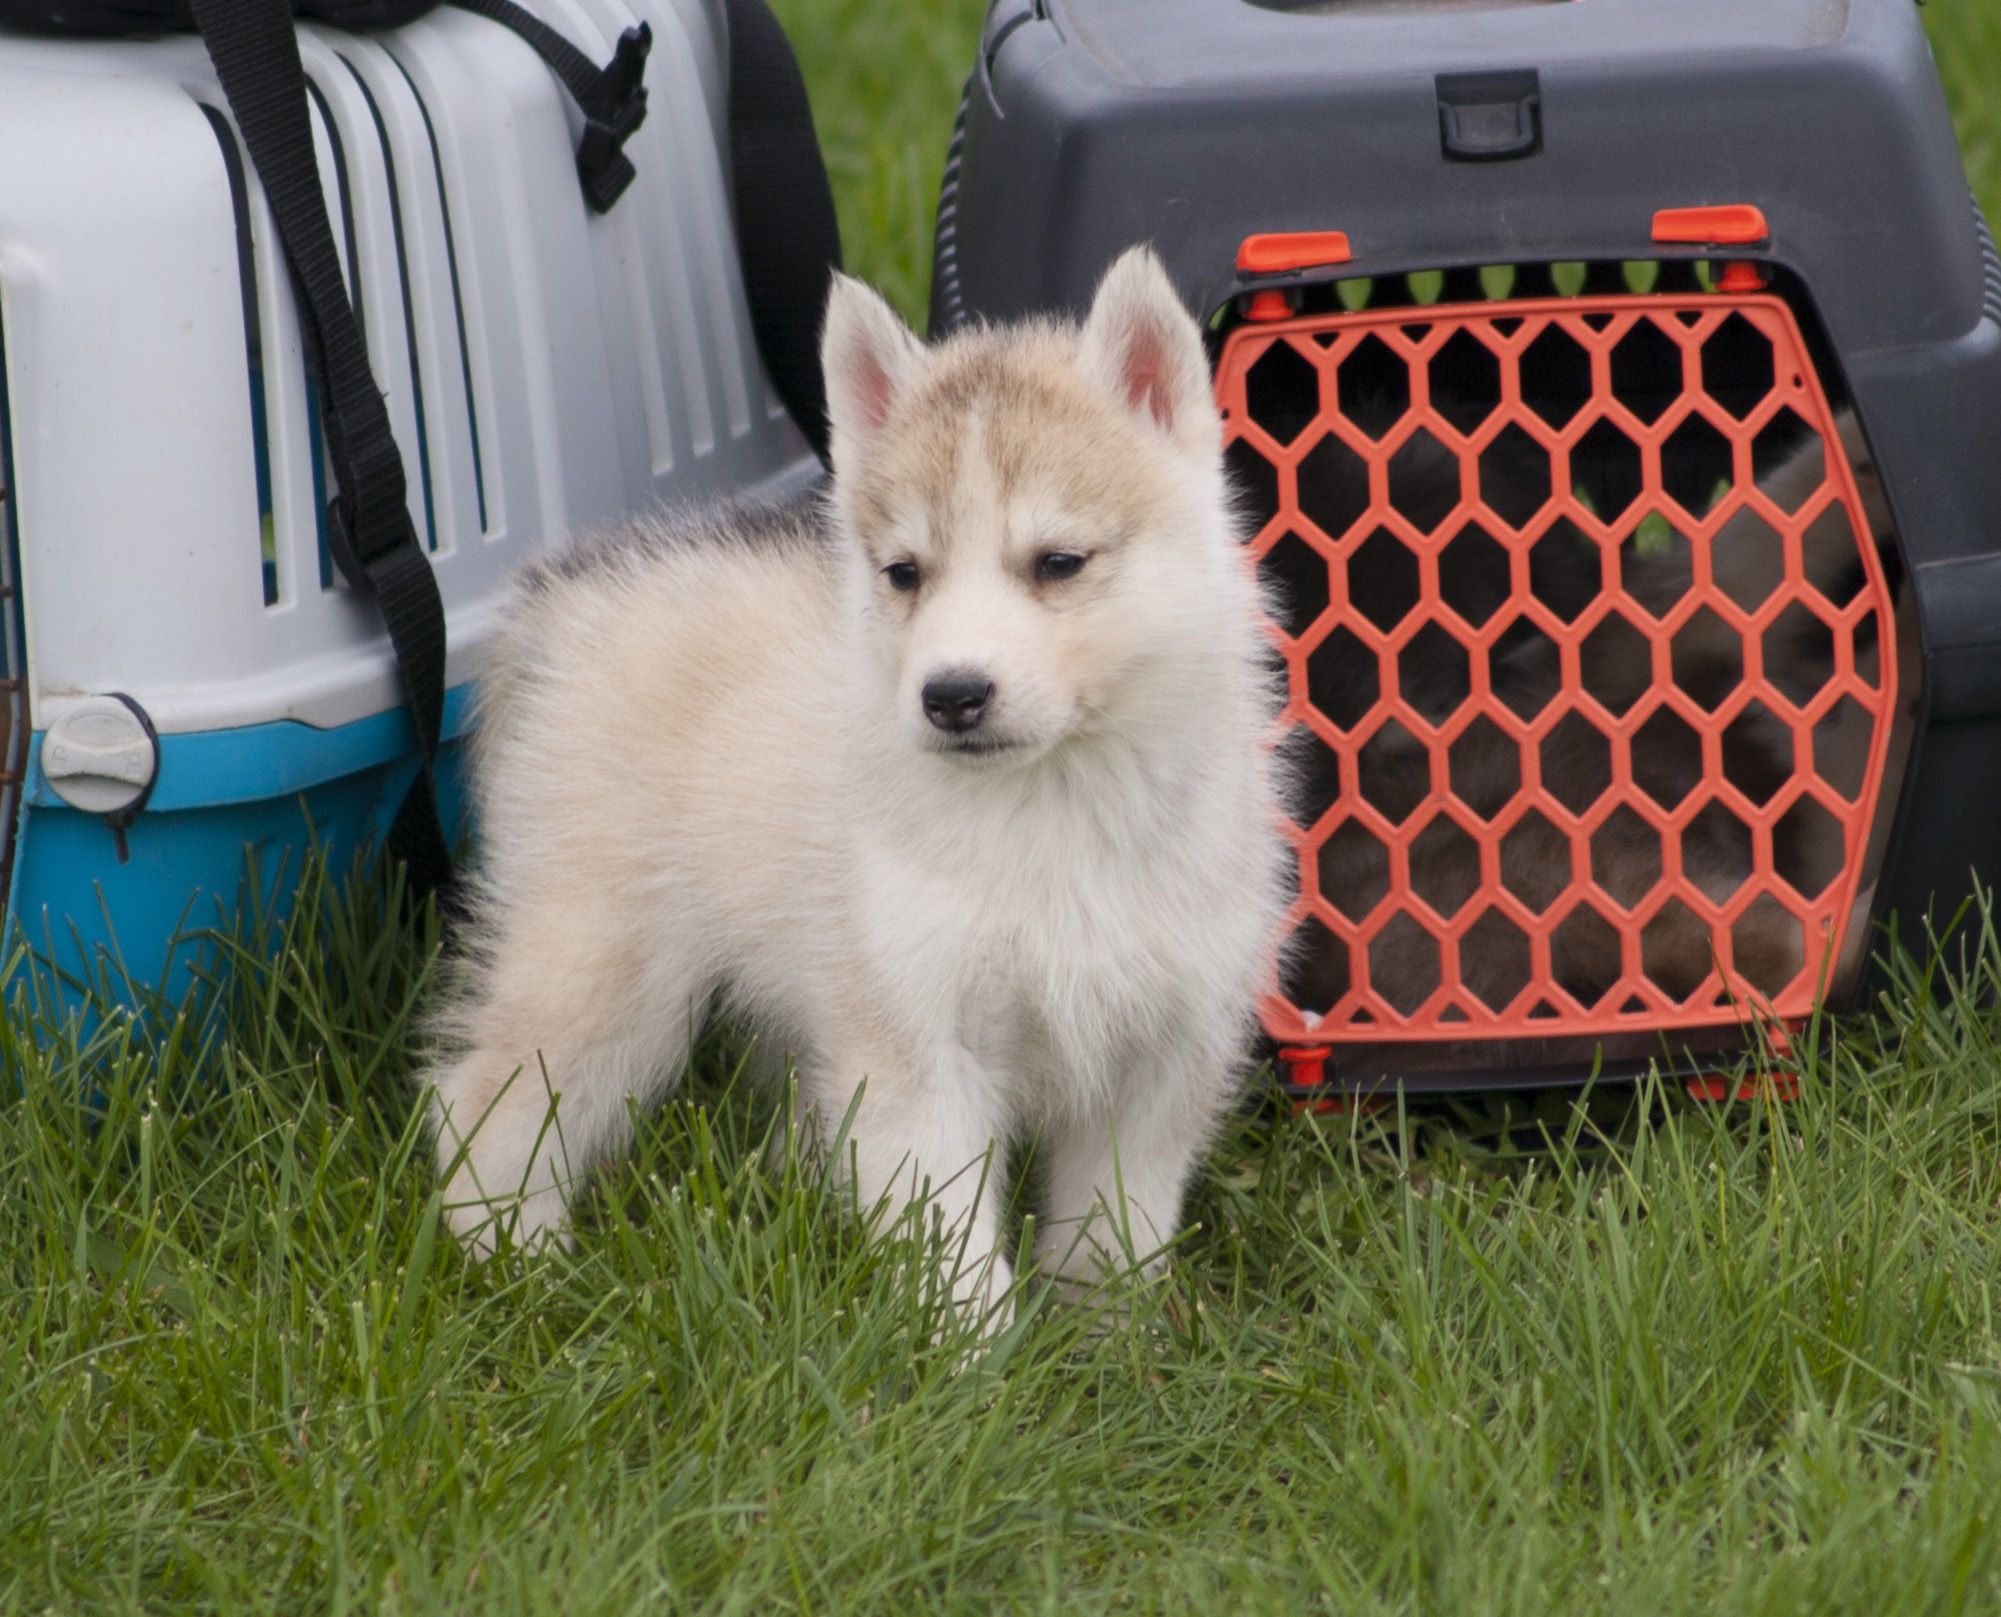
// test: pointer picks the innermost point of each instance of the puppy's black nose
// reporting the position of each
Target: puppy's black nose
(957, 700)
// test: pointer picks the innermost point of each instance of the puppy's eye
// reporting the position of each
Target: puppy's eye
(1053, 566)
(902, 575)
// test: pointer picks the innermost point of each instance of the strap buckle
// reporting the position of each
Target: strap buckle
(619, 108)
(355, 553)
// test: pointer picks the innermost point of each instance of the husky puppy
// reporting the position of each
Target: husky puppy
(952, 784)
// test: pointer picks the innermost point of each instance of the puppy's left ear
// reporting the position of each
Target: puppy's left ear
(1140, 343)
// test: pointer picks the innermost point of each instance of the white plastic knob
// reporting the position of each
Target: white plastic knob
(98, 756)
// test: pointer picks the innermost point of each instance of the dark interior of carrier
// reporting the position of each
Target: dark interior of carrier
(1588, 614)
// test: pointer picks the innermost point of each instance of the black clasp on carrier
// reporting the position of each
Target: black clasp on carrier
(601, 161)
(612, 98)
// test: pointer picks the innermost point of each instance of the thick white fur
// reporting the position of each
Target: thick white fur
(705, 779)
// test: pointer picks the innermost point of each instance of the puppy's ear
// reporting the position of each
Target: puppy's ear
(1141, 345)
(867, 354)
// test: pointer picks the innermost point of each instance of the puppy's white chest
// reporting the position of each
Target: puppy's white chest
(1061, 994)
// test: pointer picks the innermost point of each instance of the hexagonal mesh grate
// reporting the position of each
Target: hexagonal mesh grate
(1590, 663)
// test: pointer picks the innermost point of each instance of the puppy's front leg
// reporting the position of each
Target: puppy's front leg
(925, 1128)
(1114, 1181)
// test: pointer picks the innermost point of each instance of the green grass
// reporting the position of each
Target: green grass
(1679, 1360)
(885, 81)
(1672, 1360)
(1966, 41)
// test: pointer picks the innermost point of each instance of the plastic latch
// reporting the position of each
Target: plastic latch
(354, 557)
(101, 755)
(1739, 276)
(1489, 117)
(1273, 252)
(1736, 224)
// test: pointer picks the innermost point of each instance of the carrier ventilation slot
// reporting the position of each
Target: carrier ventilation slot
(1589, 652)
(409, 309)
(315, 422)
(253, 349)
(458, 297)
(14, 719)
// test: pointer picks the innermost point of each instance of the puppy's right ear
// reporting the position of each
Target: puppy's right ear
(1144, 349)
(867, 355)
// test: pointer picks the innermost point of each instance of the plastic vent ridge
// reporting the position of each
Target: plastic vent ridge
(1990, 265)
(947, 302)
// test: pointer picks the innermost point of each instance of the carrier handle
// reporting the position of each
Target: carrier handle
(788, 237)
(256, 57)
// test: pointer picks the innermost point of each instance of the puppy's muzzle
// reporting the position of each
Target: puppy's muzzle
(957, 700)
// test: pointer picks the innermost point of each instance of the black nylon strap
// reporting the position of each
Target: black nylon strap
(256, 57)
(612, 98)
(786, 231)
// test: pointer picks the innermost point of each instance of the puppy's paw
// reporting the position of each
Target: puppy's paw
(518, 1223)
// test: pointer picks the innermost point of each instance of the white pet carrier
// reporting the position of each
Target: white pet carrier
(176, 634)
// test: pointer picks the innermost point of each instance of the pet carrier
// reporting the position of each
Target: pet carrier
(1615, 391)
(187, 675)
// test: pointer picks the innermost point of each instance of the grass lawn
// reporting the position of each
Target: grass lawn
(1678, 1360)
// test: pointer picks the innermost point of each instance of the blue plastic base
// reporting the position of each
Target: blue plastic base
(226, 802)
